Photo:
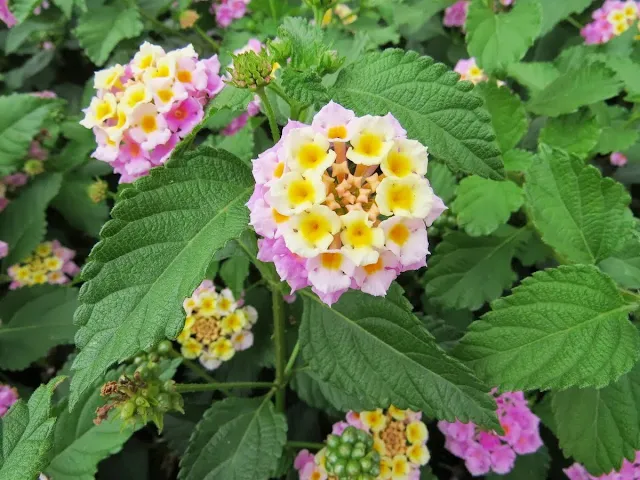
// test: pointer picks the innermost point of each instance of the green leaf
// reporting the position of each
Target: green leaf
(241, 144)
(627, 70)
(554, 12)
(34, 320)
(237, 439)
(574, 88)
(77, 208)
(465, 272)
(508, 116)
(624, 265)
(563, 327)
(27, 434)
(234, 272)
(23, 222)
(442, 180)
(378, 352)
(534, 75)
(165, 231)
(482, 205)
(67, 6)
(307, 44)
(19, 34)
(304, 87)
(22, 118)
(78, 444)
(100, 30)
(21, 9)
(429, 102)
(580, 214)
(517, 160)
(576, 133)
(599, 428)
(534, 466)
(617, 133)
(497, 40)
(322, 395)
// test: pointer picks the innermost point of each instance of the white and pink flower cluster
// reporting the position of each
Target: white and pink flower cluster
(618, 159)
(469, 70)
(343, 203)
(628, 471)
(484, 451)
(611, 20)
(8, 396)
(144, 108)
(226, 11)
(50, 263)
(9, 184)
(399, 436)
(456, 14)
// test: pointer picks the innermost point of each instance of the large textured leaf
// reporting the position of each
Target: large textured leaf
(429, 102)
(617, 134)
(465, 272)
(563, 327)
(534, 75)
(599, 428)
(78, 444)
(576, 133)
(580, 214)
(554, 11)
(482, 205)
(320, 394)
(508, 116)
(237, 439)
(583, 85)
(34, 320)
(497, 40)
(164, 233)
(375, 350)
(26, 434)
(22, 117)
(23, 223)
(102, 28)
(624, 265)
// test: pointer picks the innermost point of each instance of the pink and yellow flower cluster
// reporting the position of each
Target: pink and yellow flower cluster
(611, 20)
(484, 451)
(343, 203)
(8, 396)
(143, 109)
(628, 471)
(226, 11)
(399, 436)
(217, 326)
(50, 263)
(469, 70)
(456, 14)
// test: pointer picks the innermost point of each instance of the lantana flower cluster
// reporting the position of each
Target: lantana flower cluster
(144, 108)
(217, 326)
(399, 437)
(343, 203)
(484, 451)
(628, 471)
(226, 11)
(343, 12)
(8, 396)
(618, 159)
(469, 70)
(611, 20)
(50, 263)
(456, 14)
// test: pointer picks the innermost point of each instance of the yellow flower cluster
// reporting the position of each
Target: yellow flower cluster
(48, 264)
(216, 327)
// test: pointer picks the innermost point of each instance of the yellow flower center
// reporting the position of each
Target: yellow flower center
(301, 191)
(338, 131)
(225, 304)
(399, 234)
(162, 71)
(311, 155)
(165, 95)
(359, 234)
(399, 164)
(279, 170)
(184, 76)
(146, 61)
(369, 145)
(149, 123)
(135, 98)
(331, 261)
(278, 217)
(374, 267)
(314, 227)
(103, 111)
(401, 196)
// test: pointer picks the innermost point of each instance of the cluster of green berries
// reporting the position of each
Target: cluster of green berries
(251, 70)
(446, 221)
(97, 191)
(143, 396)
(351, 455)
(144, 360)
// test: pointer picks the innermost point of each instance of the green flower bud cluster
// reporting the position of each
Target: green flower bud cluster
(446, 221)
(97, 191)
(251, 70)
(351, 456)
(33, 167)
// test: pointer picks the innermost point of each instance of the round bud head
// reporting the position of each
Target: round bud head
(332, 457)
(359, 451)
(374, 471)
(333, 441)
(340, 467)
(349, 434)
(344, 450)
(362, 436)
(164, 347)
(365, 464)
(33, 167)
(353, 467)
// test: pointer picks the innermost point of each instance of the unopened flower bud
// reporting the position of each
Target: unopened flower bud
(330, 62)
(33, 167)
(251, 70)
(280, 50)
(188, 18)
(97, 191)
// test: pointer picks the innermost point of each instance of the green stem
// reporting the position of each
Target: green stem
(309, 445)
(292, 360)
(280, 347)
(575, 23)
(268, 110)
(212, 43)
(210, 387)
(278, 91)
(633, 296)
(274, 11)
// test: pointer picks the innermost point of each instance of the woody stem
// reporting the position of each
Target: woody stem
(280, 347)
(268, 110)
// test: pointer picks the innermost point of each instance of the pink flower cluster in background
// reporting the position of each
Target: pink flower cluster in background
(628, 471)
(483, 451)
(8, 396)
(611, 20)
(226, 11)
(6, 16)
(343, 203)
(50, 263)
(9, 184)
(4, 249)
(456, 14)
(618, 159)
(469, 70)
(143, 109)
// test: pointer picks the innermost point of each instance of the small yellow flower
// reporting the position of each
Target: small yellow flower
(397, 414)
(223, 349)
(191, 349)
(184, 336)
(39, 277)
(208, 304)
(375, 420)
(53, 263)
(418, 454)
(189, 321)
(189, 304)
(417, 432)
(386, 468)
(43, 250)
(401, 468)
(234, 323)
(379, 445)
